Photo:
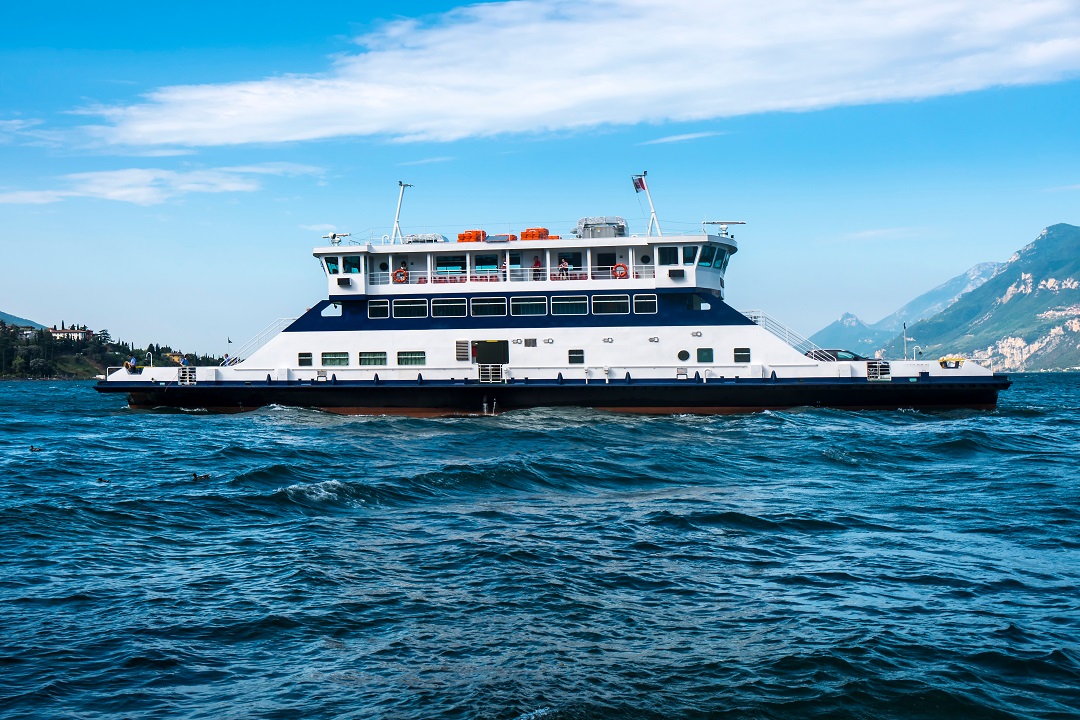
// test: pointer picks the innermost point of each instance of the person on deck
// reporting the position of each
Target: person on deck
(564, 269)
(537, 267)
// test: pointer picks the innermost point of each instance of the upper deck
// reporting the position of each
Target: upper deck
(550, 264)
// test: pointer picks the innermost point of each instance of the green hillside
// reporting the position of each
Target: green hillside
(1027, 317)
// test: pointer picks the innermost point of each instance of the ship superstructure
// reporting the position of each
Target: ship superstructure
(419, 324)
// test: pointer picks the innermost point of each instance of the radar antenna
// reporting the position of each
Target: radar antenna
(639, 185)
(335, 238)
(396, 235)
(723, 225)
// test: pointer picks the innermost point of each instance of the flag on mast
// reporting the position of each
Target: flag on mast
(639, 183)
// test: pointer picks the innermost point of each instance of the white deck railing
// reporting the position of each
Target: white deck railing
(781, 331)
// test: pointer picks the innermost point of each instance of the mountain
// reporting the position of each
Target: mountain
(15, 320)
(934, 301)
(851, 333)
(1026, 317)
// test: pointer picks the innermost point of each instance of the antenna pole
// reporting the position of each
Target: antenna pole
(639, 185)
(396, 235)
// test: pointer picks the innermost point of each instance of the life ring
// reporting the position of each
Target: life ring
(401, 275)
(128, 366)
(620, 271)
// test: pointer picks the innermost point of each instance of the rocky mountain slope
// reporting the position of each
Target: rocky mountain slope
(1026, 317)
(851, 333)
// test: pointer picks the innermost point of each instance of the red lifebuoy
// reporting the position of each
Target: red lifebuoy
(620, 271)
(401, 275)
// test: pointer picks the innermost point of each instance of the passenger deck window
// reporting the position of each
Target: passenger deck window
(705, 355)
(645, 304)
(331, 265)
(611, 304)
(570, 305)
(576, 357)
(412, 357)
(489, 306)
(742, 355)
(378, 308)
(410, 308)
(667, 256)
(335, 359)
(372, 358)
(351, 264)
(449, 264)
(486, 262)
(449, 307)
(304, 360)
(528, 305)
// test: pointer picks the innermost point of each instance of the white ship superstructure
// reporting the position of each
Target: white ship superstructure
(600, 318)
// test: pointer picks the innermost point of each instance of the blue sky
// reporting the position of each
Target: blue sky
(165, 170)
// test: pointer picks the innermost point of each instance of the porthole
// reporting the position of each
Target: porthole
(684, 355)
(384, 267)
(645, 259)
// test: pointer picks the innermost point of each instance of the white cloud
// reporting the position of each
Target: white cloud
(428, 161)
(542, 65)
(152, 186)
(681, 138)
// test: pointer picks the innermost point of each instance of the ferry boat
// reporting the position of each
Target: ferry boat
(602, 318)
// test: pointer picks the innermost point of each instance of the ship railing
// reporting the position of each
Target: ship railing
(259, 340)
(781, 331)
(525, 274)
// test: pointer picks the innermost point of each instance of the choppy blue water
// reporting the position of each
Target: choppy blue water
(565, 564)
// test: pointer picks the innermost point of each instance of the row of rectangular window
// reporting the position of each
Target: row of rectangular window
(341, 359)
(419, 357)
(519, 306)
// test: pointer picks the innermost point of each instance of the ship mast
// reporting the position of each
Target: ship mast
(395, 235)
(639, 185)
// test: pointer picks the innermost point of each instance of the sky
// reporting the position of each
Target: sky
(165, 169)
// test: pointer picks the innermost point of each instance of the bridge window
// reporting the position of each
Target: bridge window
(742, 355)
(372, 358)
(412, 357)
(570, 305)
(528, 306)
(667, 256)
(645, 304)
(378, 308)
(576, 357)
(611, 304)
(689, 254)
(704, 355)
(304, 360)
(721, 261)
(707, 254)
(335, 358)
(410, 308)
(351, 264)
(488, 307)
(331, 264)
(449, 307)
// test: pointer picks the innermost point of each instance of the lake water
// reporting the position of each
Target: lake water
(555, 564)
